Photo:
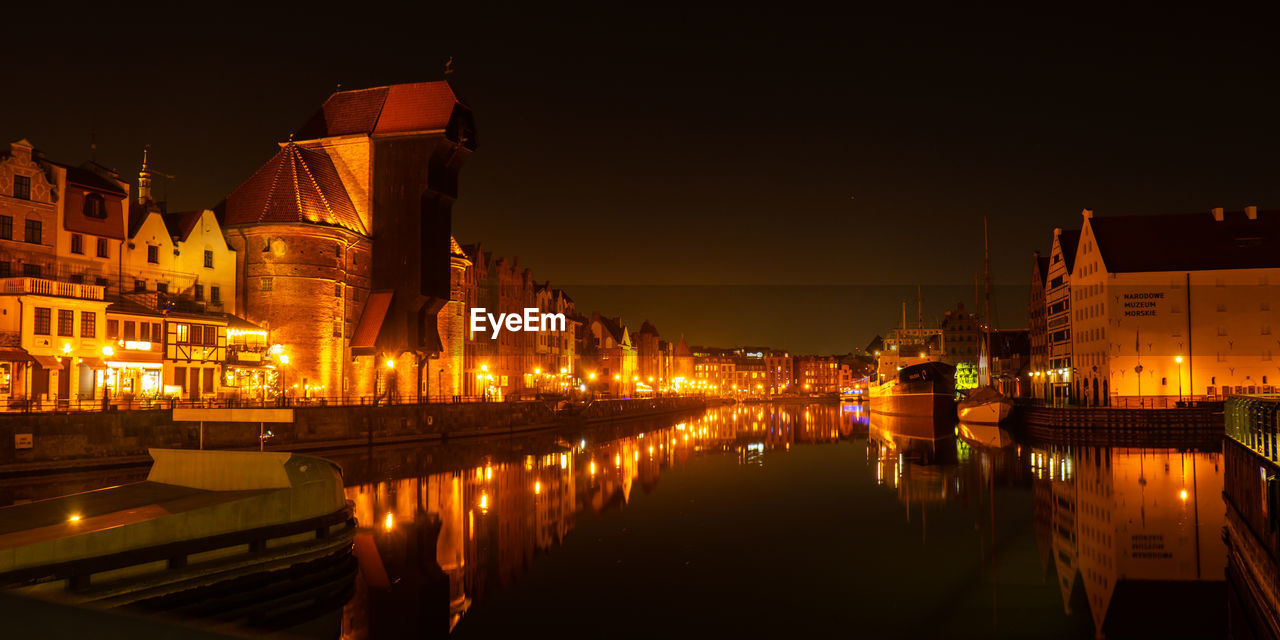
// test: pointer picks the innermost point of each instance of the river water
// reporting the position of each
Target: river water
(780, 521)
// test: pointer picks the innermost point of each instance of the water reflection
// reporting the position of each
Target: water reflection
(1116, 531)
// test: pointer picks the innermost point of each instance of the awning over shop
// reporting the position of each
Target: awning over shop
(363, 341)
(93, 363)
(15, 355)
(47, 362)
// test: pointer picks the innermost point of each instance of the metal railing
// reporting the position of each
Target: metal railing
(597, 408)
(1254, 421)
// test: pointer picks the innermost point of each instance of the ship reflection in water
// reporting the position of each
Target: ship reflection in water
(887, 527)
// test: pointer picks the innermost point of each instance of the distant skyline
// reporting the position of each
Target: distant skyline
(780, 152)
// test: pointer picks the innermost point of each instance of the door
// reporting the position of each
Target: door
(193, 388)
(64, 381)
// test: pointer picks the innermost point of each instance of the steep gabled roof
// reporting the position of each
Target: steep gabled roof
(295, 185)
(647, 328)
(180, 225)
(455, 250)
(1042, 265)
(401, 108)
(1188, 241)
(1069, 239)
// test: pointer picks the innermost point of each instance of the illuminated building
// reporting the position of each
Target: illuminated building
(373, 163)
(961, 336)
(1187, 312)
(1058, 304)
(61, 232)
(616, 357)
(1038, 315)
(648, 357)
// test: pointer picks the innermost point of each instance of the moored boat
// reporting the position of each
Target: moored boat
(923, 390)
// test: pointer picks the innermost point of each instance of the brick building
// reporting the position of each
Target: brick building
(343, 238)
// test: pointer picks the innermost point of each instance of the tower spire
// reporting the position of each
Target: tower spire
(144, 179)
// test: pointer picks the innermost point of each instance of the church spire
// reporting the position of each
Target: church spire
(144, 179)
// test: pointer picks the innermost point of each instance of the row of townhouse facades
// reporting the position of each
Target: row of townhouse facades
(1149, 310)
(105, 296)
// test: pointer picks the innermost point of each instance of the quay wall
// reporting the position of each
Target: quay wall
(69, 440)
(1195, 427)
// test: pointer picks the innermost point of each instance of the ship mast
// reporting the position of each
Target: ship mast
(986, 294)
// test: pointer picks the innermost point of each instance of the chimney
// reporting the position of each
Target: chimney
(1217, 213)
(1251, 212)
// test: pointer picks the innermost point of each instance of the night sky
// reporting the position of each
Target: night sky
(807, 157)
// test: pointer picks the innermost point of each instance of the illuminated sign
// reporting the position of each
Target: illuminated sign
(137, 345)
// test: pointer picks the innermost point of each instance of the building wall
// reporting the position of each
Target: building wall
(1058, 303)
(47, 185)
(1037, 315)
(307, 285)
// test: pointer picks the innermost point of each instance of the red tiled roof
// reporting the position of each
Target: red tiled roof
(421, 106)
(296, 185)
(365, 337)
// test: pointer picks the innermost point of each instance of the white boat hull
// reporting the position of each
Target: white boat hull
(985, 413)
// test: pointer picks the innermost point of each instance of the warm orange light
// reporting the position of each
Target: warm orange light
(1178, 359)
(389, 522)
(75, 518)
(484, 502)
(537, 487)
(591, 376)
(391, 364)
(1183, 495)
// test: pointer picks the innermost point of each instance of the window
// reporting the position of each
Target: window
(102, 248)
(22, 187)
(77, 278)
(208, 379)
(6, 227)
(144, 331)
(215, 294)
(208, 259)
(337, 328)
(129, 330)
(267, 284)
(95, 206)
(197, 334)
(77, 243)
(88, 324)
(211, 336)
(155, 332)
(31, 270)
(162, 287)
(337, 290)
(33, 231)
(181, 333)
(101, 281)
(113, 329)
(44, 317)
(139, 285)
(199, 292)
(6, 269)
(153, 254)
(66, 322)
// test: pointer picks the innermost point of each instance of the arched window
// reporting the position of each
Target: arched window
(94, 206)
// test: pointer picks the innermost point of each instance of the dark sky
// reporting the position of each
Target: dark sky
(790, 150)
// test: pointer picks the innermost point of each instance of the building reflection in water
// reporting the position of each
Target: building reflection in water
(499, 510)
(1122, 529)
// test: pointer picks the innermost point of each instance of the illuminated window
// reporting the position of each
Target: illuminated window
(182, 333)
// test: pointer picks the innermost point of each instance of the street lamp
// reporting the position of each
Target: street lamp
(1178, 359)
(284, 360)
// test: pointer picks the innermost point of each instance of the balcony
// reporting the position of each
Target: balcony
(43, 287)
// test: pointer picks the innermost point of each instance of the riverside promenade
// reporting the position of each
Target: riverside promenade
(50, 442)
